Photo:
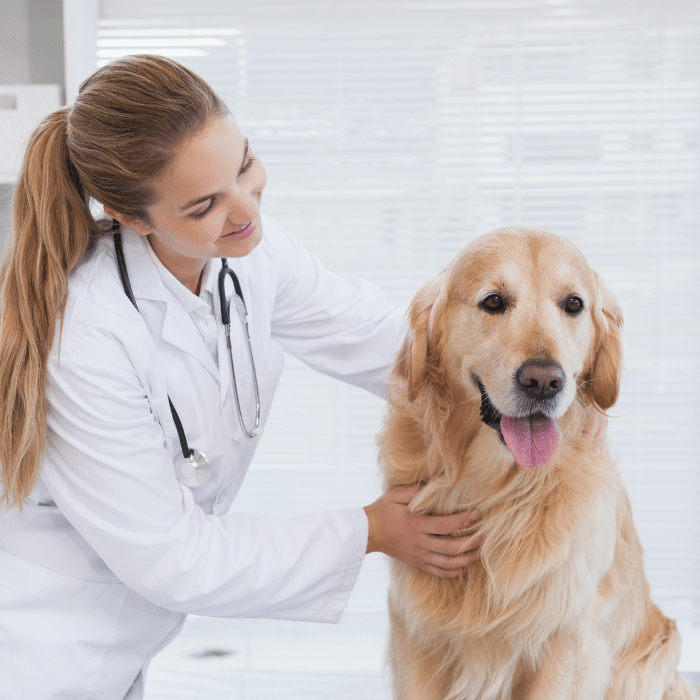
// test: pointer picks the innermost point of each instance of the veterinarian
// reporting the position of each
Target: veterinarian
(126, 428)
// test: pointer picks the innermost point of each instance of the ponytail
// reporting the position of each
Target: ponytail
(51, 230)
(125, 125)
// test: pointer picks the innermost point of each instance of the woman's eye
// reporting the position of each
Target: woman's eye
(573, 306)
(248, 165)
(202, 214)
(493, 304)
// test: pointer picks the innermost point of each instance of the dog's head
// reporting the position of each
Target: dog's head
(520, 322)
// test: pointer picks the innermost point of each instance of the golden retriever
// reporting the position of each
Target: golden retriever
(511, 347)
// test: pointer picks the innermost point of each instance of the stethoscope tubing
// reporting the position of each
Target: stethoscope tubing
(226, 271)
(196, 462)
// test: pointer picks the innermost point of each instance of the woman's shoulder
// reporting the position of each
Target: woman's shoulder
(96, 303)
(96, 279)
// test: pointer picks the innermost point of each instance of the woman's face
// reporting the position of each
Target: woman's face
(207, 201)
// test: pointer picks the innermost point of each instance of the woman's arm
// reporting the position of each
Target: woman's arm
(110, 474)
(340, 325)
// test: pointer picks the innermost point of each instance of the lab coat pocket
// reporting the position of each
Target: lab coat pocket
(57, 633)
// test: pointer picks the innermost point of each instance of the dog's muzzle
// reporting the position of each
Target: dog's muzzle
(531, 440)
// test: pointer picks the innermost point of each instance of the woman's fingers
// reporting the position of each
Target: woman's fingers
(434, 543)
(449, 524)
(455, 547)
(447, 558)
(449, 566)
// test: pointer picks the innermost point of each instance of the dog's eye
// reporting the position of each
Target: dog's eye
(493, 304)
(573, 306)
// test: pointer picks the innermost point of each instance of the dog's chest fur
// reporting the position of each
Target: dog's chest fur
(546, 547)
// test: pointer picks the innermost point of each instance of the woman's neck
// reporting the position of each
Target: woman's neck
(186, 270)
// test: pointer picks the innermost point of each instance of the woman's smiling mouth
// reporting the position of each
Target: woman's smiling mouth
(242, 232)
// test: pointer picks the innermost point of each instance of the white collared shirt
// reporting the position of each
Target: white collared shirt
(200, 308)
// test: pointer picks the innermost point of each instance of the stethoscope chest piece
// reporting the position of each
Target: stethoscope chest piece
(194, 470)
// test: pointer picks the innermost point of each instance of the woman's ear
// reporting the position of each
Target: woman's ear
(137, 225)
(605, 361)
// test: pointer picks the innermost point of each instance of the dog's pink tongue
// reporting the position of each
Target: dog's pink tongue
(531, 441)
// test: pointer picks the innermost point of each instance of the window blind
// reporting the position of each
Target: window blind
(395, 131)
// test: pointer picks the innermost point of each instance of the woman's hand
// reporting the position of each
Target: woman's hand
(423, 541)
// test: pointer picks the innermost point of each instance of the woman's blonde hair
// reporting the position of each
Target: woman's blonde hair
(121, 132)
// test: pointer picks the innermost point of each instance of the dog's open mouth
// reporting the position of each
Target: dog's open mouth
(531, 440)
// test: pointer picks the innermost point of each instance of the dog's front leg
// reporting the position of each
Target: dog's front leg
(574, 665)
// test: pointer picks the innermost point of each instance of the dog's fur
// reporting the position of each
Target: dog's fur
(558, 607)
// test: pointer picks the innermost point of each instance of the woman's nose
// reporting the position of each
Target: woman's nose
(245, 205)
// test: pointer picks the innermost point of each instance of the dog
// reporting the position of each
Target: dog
(510, 350)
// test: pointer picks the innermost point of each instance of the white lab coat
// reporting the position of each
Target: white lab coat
(111, 551)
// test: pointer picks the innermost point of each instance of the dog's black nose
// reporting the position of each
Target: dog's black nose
(541, 380)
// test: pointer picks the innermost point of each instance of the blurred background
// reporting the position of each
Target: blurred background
(393, 132)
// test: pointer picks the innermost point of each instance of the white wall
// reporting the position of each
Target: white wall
(14, 53)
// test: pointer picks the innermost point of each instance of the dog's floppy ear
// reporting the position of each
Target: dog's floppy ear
(605, 361)
(417, 354)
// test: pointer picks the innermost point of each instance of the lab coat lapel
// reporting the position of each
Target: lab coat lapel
(164, 317)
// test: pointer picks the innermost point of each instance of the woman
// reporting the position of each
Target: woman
(114, 368)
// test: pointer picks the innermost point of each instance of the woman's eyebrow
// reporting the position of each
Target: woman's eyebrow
(199, 200)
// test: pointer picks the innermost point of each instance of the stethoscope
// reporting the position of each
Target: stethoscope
(194, 468)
